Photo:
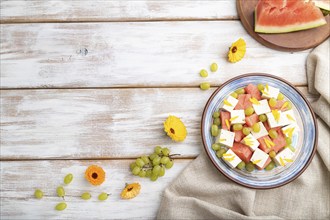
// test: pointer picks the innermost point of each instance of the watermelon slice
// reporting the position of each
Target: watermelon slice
(224, 116)
(253, 91)
(324, 4)
(282, 16)
(251, 120)
(242, 151)
(239, 135)
(243, 102)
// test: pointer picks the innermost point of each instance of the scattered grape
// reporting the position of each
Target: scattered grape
(60, 191)
(61, 206)
(256, 127)
(240, 91)
(261, 87)
(205, 86)
(263, 118)
(38, 194)
(234, 94)
(270, 166)
(246, 130)
(272, 102)
(272, 154)
(249, 111)
(216, 121)
(249, 167)
(214, 130)
(241, 165)
(68, 179)
(221, 152)
(203, 73)
(272, 133)
(237, 127)
(216, 146)
(86, 196)
(103, 196)
(288, 140)
(216, 115)
(214, 67)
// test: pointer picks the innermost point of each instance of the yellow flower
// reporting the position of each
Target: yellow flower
(237, 51)
(175, 128)
(130, 191)
(95, 175)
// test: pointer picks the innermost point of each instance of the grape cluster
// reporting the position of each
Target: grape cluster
(154, 165)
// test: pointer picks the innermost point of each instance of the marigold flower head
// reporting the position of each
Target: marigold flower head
(237, 51)
(130, 191)
(175, 128)
(95, 175)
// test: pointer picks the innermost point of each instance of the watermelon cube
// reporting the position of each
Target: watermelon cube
(278, 105)
(279, 141)
(239, 135)
(267, 162)
(251, 120)
(224, 116)
(242, 151)
(263, 146)
(243, 102)
(268, 127)
(253, 91)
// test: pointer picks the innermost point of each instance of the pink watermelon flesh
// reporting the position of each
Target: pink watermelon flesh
(282, 16)
(263, 145)
(251, 120)
(239, 135)
(243, 102)
(279, 141)
(253, 91)
(242, 151)
(223, 117)
(278, 105)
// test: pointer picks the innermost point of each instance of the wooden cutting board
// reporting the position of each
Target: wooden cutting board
(294, 41)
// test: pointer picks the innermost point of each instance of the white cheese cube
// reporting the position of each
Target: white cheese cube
(237, 117)
(226, 138)
(263, 131)
(262, 107)
(284, 157)
(288, 117)
(290, 130)
(231, 158)
(276, 123)
(251, 142)
(259, 158)
(270, 92)
(229, 103)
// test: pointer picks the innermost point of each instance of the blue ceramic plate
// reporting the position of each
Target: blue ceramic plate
(304, 141)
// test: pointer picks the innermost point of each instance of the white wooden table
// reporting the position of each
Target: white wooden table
(91, 82)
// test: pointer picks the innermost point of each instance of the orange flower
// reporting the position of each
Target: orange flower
(95, 175)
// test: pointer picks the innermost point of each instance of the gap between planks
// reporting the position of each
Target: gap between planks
(87, 159)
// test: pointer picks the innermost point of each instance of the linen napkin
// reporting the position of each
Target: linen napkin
(202, 192)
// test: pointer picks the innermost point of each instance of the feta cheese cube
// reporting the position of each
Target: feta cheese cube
(273, 122)
(284, 157)
(263, 131)
(262, 107)
(251, 142)
(290, 130)
(229, 104)
(288, 117)
(237, 117)
(259, 158)
(231, 158)
(270, 92)
(226, 138)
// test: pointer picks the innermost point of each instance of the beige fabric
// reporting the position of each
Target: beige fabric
(201, 192)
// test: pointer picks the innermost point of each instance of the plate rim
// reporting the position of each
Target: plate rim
(230, 177)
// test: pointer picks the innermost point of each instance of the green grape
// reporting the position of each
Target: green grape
(136, 170)
(142, 173)
(205, 86)
(290, 147)
(61, 206)
(221, 152)
(145, 159)
(164, 160)
(103, 196)
(288, 140)
(60, 191)
(162, 171)
(152, 156)
(270, 166)
(246, 130)
(249, 167)
(169, 164)
(38, 194)
(156, 161)
(240, 91)
(166, 151)
(249, 111)
(68, 179)
(86, 196)
(262, 118)
(256, 127)
(139, 162)
(158, 149)
(272, 154)
(148, 173)
(272, 102)
(216, 115)
(234, 94)
(289, 106)
(241, 165)
(237, 127)
(214, 67)
(261, 87)
(214, 130)
(216, 147)
(272, 133)
(203, 73)
(216, 121)
(156, 170)
(132, 165)
(153, 177)
(280, 96)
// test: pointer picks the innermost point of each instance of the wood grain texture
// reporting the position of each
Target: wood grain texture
(143, 54)
(20, 179)
(105, 10)
(101, 123)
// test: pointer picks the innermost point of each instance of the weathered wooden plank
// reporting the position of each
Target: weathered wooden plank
(19, 179)
(101, 123)
(101, 10)
(138, 54)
